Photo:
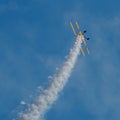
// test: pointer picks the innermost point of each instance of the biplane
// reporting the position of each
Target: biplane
(78, 34)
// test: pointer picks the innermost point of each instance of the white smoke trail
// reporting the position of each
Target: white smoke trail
(43, 102)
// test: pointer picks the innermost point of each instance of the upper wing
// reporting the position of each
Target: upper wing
(75, 34)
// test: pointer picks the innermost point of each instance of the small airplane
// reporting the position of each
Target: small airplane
(82, 35)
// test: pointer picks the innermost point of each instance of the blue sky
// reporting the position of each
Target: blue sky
(35, 37)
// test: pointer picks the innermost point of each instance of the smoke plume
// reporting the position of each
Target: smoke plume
(44, 101)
